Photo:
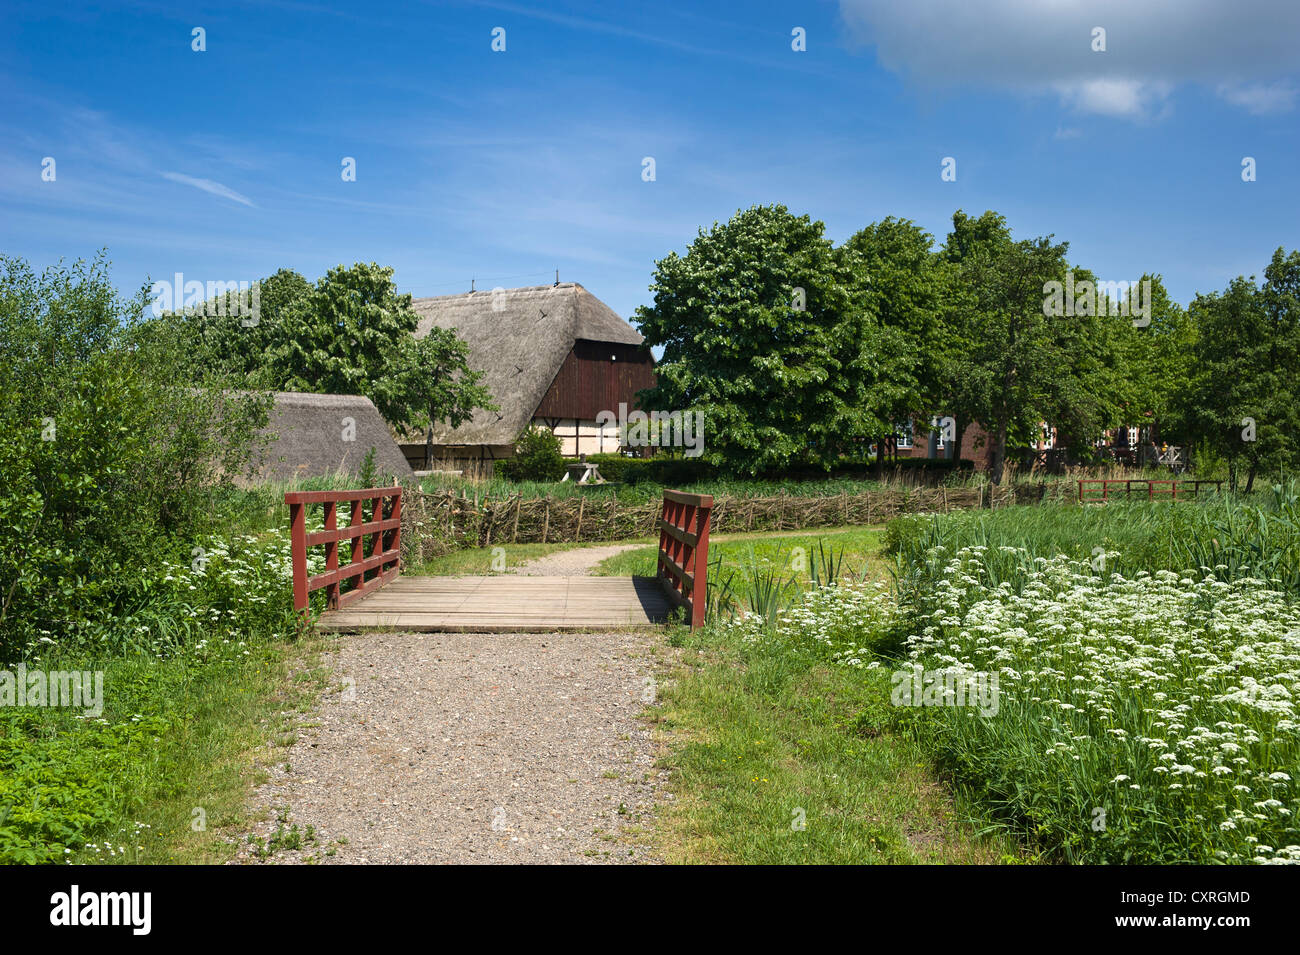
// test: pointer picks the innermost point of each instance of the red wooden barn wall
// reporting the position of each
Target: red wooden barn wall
(589, 382)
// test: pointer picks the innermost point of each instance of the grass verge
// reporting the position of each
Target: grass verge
(162, 775)
(761, 739)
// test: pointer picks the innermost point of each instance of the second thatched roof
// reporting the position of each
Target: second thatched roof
(518, 338)
(323, 435)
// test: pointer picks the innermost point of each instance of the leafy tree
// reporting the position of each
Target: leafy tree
(1091, 386)
(1007, 372)
(760, 335)
(537, 457)
(966, 386)
(106, 450)
(1243, 398)
(440, 386)
(1158, 359)
(221, 337)
(899, 285)
(350, 337)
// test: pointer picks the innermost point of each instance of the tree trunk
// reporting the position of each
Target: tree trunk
(428, 448)
(998, 454)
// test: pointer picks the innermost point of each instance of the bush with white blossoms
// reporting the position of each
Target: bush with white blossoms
(1144, 720)
(231, 589)
(847, 623)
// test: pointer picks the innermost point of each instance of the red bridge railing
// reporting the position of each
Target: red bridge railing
(1100, 490)
(383, 526)
(684, 551)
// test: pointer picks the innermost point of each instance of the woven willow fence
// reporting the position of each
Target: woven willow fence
(438, 522)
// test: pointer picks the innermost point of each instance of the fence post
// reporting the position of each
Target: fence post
(385, 546)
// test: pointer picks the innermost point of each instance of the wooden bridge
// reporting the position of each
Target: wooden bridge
(369, 593)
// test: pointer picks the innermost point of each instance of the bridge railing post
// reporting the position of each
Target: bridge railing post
(683, 562)
(298, 551)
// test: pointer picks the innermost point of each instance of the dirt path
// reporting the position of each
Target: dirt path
(577, 562)
(479, 748)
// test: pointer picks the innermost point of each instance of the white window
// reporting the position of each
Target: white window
(904, 435)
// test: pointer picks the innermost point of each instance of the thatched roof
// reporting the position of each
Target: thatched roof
(308, 433)
(518, 338)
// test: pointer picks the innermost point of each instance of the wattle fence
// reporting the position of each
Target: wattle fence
(438, 522)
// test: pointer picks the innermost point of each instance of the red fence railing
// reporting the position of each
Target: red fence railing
(383, 527)
(684, 551)
(1124, 487)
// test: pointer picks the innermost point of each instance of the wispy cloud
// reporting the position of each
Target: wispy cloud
(1259, 98)
(593, 25)
(209, 185)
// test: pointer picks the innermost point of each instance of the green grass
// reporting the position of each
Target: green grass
(478, 561)
(1232, 535)
(163, 776)
(789, 555)
(762, 737)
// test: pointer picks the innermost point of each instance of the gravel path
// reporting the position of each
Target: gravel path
(571, 563)
(478, 748)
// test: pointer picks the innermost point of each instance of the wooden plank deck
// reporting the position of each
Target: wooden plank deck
(506, 604)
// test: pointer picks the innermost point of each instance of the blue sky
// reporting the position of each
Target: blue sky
(225, 164)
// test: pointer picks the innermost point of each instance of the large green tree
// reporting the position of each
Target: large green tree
(1010, 357)
(1157, 353)
(761, 336)
(439, 385)
(109, 448)
(350, 333)
(900, 288)
(1244, 400)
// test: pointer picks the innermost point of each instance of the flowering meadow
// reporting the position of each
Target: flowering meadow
(1148, 717)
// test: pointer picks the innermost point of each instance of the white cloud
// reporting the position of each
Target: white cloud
(1109, 97)
(1260, 98)
(1114, 97)
(1245, 50)
(208, 185)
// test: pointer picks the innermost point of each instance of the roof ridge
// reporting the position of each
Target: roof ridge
(489, 291)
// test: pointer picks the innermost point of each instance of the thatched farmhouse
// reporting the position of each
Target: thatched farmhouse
(321, 435)
(552, 355)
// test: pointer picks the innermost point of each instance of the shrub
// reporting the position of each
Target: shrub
(537, 458)
(104, 457)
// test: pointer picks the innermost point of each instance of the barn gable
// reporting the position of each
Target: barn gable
(530, 345)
